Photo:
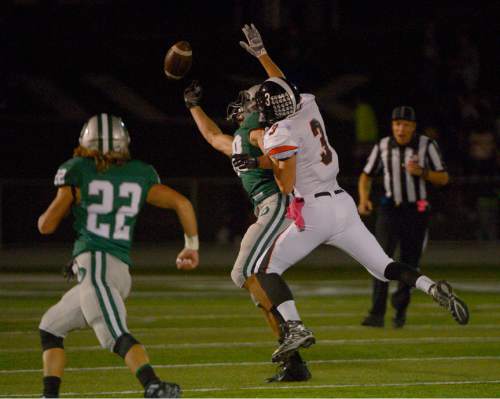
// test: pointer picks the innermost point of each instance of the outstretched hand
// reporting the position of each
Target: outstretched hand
(193, 94)
(255, 45)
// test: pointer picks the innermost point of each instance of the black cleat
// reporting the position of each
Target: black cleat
(161, 389)
(296, 336)
(443, 295)
(293, 369)
(373, 321)
(398, 322)
(399, 319)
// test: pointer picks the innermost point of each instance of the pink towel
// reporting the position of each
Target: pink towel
(294, 212)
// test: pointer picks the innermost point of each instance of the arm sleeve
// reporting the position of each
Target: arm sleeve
(434, 157)
(374, 162)
(278, 142)
(68, 174)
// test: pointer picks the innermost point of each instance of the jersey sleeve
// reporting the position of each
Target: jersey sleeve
(68, 174)
(374, 162)
(279, 143)
(152, 176)
(434, 157)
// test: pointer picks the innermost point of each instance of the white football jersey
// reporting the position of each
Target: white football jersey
(303, 134)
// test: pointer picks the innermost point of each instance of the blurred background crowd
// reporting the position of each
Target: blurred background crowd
(65, 60)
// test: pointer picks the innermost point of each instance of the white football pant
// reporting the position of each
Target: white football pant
(98, 300)
(331, 220)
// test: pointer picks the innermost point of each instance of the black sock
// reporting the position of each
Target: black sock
(295, 358)
(146, 375)
(51, 387)
(402, 272)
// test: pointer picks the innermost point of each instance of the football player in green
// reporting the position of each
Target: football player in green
(269, 291)
(106, 190)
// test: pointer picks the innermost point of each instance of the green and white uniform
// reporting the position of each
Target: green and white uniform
(269, 206)
(104, 222)
(110, 202)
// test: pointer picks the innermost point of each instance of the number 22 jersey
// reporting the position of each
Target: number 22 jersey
(110, 202)
(303, 134)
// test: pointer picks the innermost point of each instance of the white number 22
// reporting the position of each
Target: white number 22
(105, 189)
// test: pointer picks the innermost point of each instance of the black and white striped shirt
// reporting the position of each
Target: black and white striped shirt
(391, 158)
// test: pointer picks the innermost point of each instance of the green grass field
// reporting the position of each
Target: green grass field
(204, 334)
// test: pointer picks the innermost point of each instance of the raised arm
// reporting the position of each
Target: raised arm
(163, 196)
(210, 131)
(255, 47)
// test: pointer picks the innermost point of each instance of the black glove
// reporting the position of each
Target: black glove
(244, 162)
(193, 94)
(67, 271)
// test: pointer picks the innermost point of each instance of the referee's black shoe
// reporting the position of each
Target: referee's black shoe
(292, 369)
(398, 322)
(443, 295)
(373, 321)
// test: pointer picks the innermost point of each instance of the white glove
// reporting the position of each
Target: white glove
(255, 45)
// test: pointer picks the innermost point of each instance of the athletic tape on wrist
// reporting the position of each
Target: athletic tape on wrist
(191, 242)
(261, 52)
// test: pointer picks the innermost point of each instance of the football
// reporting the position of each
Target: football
(178, 60)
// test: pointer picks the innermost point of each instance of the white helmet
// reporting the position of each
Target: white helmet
(244, 105)
(105, 133)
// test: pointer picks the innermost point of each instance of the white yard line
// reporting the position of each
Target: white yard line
(258, 344)
(439, 313)
(244, 364)
(351, 327)
(273, 387)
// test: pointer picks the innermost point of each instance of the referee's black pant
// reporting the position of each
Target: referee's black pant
(406, 226)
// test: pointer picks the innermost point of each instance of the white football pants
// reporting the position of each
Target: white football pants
(98, 300)
(334, 221)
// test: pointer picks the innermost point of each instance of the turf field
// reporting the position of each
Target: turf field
(204, 334)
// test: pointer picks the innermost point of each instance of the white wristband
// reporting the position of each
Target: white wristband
(191, 242)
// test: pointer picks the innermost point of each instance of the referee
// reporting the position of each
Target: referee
(408, 162)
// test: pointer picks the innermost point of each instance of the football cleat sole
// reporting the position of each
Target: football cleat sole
(283, 353)
(445, 297)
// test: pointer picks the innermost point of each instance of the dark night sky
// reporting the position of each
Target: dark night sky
(71, 43)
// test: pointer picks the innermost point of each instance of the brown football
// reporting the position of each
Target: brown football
(178, 60)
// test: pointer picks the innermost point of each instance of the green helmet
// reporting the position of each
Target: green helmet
(105, 133)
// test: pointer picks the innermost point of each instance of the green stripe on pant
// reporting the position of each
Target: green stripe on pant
(99, 296)
(256, 253)
(270, 241)
(109, 294)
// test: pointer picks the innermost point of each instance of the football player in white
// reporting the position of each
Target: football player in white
(306, 165)
(268, 291)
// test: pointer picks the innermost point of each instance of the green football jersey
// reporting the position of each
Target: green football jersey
(110, 202)
(258, 183)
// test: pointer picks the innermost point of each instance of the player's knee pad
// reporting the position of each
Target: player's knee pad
(275, 287)
(401, 272)
(123, 344)
(50, 341)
